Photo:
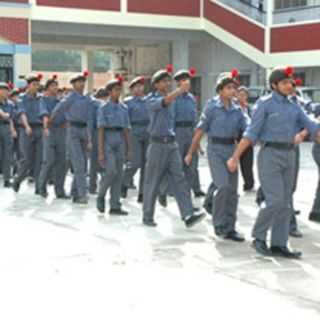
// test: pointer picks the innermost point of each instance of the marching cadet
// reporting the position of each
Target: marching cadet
(224, 122)
(275, 124)
(246, 161)
(14, 98)
(54, 142)
(30, 135)
(76, 107)
(113, 133)
(139, 121)
(185, 116)
(163, 157)
(101, 97)
(7, 131)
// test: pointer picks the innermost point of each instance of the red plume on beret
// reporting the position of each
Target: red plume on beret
(298, 82)
(192, 72)
(120, 78)
(55, 77)
(85, 73)
(234, 73)
(10, 85)
(40, 76)
(169, 68)
(289, 71)
(142, 80)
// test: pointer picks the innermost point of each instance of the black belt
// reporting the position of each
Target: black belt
(4, 123)
(139, 123)
(280, 145)
(35, 125)
(165, 140)
(219, 140)
(184, 124)
(114, 129)
(78, 124)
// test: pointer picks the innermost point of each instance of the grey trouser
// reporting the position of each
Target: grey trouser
(225, 196)
(276, 172)
(165, 159)
(5, 150)
(112, 174)
(54, 160)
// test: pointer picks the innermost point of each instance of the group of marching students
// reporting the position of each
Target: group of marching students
(104, 140)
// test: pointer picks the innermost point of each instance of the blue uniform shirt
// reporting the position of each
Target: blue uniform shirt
(161, 116)
(138, 115)
(277, 119)
(76, 106)
(7, 107)
(113, 115)
(47, 105)
(185, 108)
(30, 106)
(96, 104)
(217, 121)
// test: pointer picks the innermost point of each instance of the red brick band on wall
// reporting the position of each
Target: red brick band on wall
(14, 30)
(110, 5)
(189, 8)
(295, 38)
(238, 26)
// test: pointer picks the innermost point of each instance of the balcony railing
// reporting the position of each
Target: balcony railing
(255, 12)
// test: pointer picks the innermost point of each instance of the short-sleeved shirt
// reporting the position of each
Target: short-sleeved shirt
(30, 106)
(47, 105)
(277, 119)
(221, 122)
(161, 117)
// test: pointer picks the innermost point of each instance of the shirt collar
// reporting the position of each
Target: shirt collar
(220, 104)
(278, 97)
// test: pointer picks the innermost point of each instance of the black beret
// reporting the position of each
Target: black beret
(184, 74)
(33, 77)
(225, 78)
(79, 76)
(118, 81)
(101, 93)
(137, 80)
(280, 73)
(161, 74)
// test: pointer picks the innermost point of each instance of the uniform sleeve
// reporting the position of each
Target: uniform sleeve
(243, 123)
(43, 109)
(253, 131)
(20, 108)
(62, 106)
(305, 122)
(101, 122)
(205, 118)
(127, 120)
(155, 103)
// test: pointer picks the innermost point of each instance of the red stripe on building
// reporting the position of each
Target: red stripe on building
(189, 8)
(238, 26)
(14, 30)
(110, 5)
(295, 38)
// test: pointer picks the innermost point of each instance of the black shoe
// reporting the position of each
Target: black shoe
(101, 205)
(43, 193)
(196, 209)
(285, 252)
(296, 212)
(118, 212)
(163, 200)
(208, 208)
(7, 184)
(234, 236)
(314, 216)
(261, 247)
(63, 196)
(82, 200)
(31, 180)
(296, 234)
(219, 232)
(16, 186)
(149, 223)
(140, 198)
(194, 219)
(199, 194)
(124, 192)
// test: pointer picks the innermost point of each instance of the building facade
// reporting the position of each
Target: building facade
(142, 36)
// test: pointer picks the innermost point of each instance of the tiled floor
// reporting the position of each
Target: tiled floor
(58, 261)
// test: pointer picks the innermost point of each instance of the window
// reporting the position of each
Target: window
(287, 4)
